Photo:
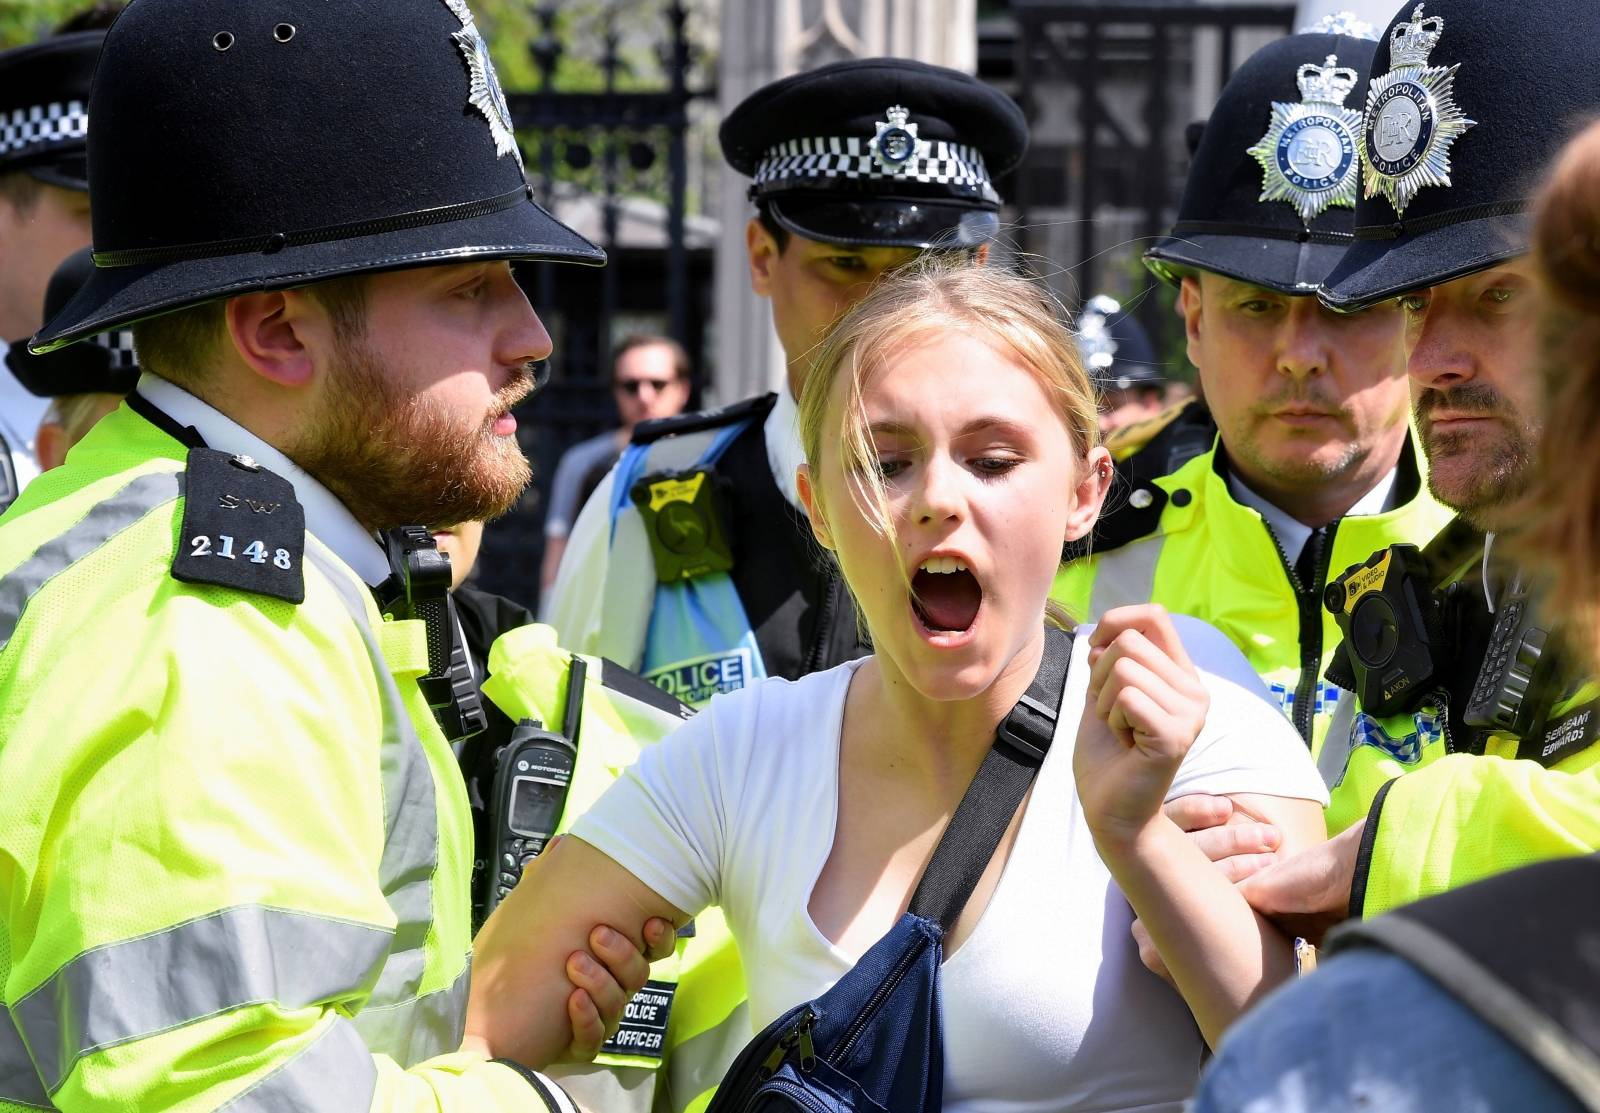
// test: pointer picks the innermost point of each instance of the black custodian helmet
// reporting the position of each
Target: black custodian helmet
(243, 145)
(105, 365)
(44, 107)
(878, 152)
(1273, 183)
(1469, 102)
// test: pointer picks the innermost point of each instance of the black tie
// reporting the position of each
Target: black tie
(1305, 565)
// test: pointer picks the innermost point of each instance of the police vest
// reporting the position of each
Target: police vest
(236, 843)
(1522, 951)
(1178, 538)
(685, 1027)
(793, 606)
(1444, 805)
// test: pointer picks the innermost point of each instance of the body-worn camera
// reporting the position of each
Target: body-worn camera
(419, 588)
(530, 792)
(1393, 631)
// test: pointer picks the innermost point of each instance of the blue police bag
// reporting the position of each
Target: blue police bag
(874, 1043)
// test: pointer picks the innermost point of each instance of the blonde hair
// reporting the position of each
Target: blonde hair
(1562, 531)
(928, 297)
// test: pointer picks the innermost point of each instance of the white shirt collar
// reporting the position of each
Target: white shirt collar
(784, 451)
(1292, 533)
(21, 411)
(326, 517)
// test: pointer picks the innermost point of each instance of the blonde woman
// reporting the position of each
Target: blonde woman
(951, 439)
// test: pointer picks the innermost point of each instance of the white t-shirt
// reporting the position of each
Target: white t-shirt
(739, 807)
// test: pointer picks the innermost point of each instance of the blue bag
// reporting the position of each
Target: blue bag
(874, 1042)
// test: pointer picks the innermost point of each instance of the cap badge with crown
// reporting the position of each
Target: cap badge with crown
(483, 85)
(1412, 118)
(1308, 155)
(895, 141)
(1095, 343)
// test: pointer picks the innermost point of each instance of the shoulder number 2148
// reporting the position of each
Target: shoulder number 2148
(255, 552)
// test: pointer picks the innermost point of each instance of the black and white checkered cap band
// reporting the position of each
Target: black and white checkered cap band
(43, 123)
(120, 344)
(934, 162)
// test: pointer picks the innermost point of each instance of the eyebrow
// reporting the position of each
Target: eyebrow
(980, 424)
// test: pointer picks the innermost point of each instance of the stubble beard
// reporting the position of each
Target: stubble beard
(397, 459)
(1479, 474)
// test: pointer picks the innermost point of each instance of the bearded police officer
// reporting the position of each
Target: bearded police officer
(1299, 460)
(1121, 362)
(237, 874)
(693, 562)
(44, 211)
(1468, 746)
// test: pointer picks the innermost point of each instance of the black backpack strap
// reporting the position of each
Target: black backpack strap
(991, 801)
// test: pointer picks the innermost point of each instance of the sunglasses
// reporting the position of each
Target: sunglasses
(635, 387)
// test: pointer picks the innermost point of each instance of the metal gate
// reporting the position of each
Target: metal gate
(598, 158)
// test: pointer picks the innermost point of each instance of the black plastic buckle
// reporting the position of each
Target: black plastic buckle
(1019, 734)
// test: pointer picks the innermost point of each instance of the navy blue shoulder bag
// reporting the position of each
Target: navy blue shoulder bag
(874, 1042)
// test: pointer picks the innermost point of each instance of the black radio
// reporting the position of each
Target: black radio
(1513, 685)
(419, 588)
(1390, 618)
(530, 792)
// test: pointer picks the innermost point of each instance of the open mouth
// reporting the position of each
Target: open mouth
(945, 596)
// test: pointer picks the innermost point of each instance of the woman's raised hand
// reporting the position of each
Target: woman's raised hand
(1145, 708)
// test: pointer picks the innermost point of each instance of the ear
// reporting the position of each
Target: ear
(1090, 493)
(808, 498)
(50, 444)
(762, 251)
(1189, 302)
(273, 334)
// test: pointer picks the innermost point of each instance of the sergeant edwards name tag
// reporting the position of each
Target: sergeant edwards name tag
(644, 1023)
(242, 528)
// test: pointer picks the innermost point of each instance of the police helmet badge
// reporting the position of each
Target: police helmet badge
(1308, 155)
(483, 88)
(1095, 343)
(1412, 118)
(895, 142)
(1347, 24)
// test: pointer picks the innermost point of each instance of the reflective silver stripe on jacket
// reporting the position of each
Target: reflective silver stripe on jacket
(19, 1082)
(1125, 576)
(203, 967)
(628, 597)
(104, 521)
(335, 1074)
(395, 1022)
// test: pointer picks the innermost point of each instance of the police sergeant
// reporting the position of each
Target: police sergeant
(1481, 756)
(238, 874)
(1298, 461)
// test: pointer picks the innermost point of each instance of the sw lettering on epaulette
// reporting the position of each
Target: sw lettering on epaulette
(242, 528)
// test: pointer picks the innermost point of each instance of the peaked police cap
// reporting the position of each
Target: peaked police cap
(44, 107)
(885, 152)
(1497, 89)
(1225, 224)
(243, 145)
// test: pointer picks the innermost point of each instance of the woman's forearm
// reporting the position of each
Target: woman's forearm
(1221, 955)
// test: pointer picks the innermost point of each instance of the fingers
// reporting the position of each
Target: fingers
(588, 1029)
(1242, 866)
(1149, 955)
(1148, 619)
(660, 939)
(1236, 839)
(608, 996)
(1178, 677)
(1199, 811)
(628, 967)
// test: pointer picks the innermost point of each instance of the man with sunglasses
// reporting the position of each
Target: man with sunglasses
(649, 381)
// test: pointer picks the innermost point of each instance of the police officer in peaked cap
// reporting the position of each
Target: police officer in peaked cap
(1121, 361)
(82, 383)
(1469, 103)
(44, 210)
(238, 873)
(856, 168)
(1296, 460)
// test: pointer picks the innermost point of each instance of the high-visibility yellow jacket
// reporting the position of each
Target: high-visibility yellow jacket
(672, 1066)
(1179, 538)
(234, 846)
(1441, 811)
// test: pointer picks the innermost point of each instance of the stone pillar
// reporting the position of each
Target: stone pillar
(761, 41)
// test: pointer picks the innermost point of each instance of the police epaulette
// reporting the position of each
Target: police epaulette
(242, 527)
(628, 683)
(647, 432)
(1187, 434)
